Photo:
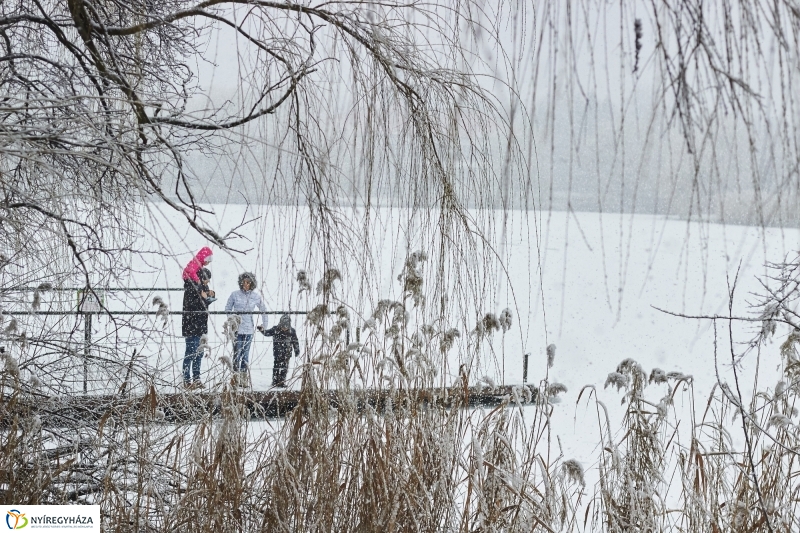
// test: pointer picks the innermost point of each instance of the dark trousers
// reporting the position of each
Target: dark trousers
(192, 359)
(279, 370)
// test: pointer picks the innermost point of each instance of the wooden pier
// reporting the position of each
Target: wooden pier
(180, 407)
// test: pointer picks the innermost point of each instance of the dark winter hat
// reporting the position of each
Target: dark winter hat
(204, 274)
(285, 321)
(249, 276)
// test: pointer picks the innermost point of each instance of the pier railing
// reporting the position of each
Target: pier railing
(89, 304)
(116, 362)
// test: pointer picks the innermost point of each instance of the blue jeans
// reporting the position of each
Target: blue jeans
(241, 352)
(191, 360)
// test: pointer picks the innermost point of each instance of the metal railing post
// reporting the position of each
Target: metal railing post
(525, 368)
(87, 341)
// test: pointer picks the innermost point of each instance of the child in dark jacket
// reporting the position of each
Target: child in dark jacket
(284, 340)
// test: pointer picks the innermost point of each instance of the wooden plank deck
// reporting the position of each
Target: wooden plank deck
(192, 406)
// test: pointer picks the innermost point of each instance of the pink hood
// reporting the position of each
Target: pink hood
(190, 272)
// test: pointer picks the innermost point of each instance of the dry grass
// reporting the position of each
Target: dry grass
(410, 466)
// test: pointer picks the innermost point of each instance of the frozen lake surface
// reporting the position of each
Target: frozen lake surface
(590, 284)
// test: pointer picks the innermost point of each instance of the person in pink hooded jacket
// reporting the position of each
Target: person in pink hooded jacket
(203, 257)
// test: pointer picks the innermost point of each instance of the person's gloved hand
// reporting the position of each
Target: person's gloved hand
(262, 330)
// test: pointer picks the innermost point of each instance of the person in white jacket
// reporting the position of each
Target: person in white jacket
(245, 300)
